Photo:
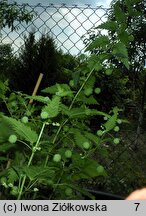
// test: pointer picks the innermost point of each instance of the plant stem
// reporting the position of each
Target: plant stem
(54, 140)
(72, 103)
(82, 86)
(7, 107)
(59, 130)
(21, 188)
(30, 161)
(56, 185)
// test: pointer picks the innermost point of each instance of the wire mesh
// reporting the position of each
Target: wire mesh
(66, 24)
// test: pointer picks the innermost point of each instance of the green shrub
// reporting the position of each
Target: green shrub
(56, 145)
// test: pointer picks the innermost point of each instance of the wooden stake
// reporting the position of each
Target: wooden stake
(36, 86)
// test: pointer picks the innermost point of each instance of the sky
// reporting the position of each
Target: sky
(105, 3)
(66, 27)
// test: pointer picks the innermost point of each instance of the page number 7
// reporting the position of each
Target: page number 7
(137, 205)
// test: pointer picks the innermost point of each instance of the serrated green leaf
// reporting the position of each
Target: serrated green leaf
(120, 50)
(53, 107)
(51, 90)
(64, 109)
(78, 137)
(57, 88)
(124, 37)
(99, 42)
(89, 100)
(119, 14)
(21, 129)
(65, 93)
(39, 98)
(39, 172)
(95, 139)
(109, 25)
(12, 175)
(76, 113)
(86, 100)
(111, 123)
(94, 63)
(81, 112)
(96, 112)
(89, 170)
(64, 90)
(104, 56)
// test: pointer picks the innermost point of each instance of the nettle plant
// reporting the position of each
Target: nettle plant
(48, 147)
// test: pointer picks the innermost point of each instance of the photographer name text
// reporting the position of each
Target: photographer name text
(55, 207)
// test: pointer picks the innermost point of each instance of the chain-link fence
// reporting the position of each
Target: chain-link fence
(66, 24)
(69, 25)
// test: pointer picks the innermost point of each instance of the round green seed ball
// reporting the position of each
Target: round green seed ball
(116, 141)
(57, 158)
(97, 90)
(99, 132)
(86, 145)
(68, 153)
(44, 115)
(116, 129)
(119, 121)
(24, 119)
(100, 169)
(12, 138)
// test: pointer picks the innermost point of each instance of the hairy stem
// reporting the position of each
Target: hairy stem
(30, 161)
(56, 185)
(82, 86)
(72, 103)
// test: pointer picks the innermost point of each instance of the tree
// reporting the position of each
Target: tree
(133, 15)
(41, 56)
(10, 16)
(126, 28)
(11, 13)
(7, 61)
